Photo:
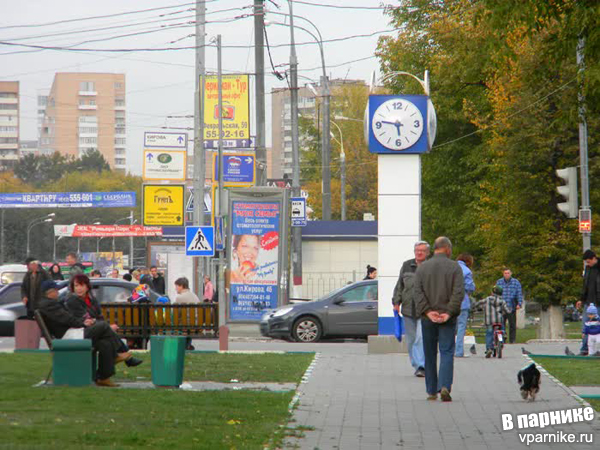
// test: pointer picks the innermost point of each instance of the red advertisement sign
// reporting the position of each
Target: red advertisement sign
(106, 231)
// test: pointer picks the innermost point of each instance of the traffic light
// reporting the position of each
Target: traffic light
(568, 191)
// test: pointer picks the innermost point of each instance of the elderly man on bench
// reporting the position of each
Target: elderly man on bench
(62, 324)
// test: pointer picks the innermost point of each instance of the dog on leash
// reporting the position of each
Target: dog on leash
(529, 380)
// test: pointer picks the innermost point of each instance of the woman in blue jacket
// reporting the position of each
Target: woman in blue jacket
(465, 261)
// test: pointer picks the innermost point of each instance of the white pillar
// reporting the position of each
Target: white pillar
(399, 225)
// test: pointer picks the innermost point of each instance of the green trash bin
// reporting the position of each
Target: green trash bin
(167, 357)
(72, 362)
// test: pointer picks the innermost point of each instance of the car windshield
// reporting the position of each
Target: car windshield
(334, 292)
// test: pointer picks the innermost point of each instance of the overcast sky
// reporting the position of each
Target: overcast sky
(160, 84)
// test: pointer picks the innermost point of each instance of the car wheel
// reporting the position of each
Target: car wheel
(307, 329)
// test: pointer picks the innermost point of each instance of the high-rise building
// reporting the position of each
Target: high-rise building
(280, 158)
(42, 101)
(9, 123)
(86, 111)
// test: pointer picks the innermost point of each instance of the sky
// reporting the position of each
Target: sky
(161, 83)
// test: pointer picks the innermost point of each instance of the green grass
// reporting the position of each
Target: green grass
(572, 331)
(595, 403)
(572, 372)
(102, 418)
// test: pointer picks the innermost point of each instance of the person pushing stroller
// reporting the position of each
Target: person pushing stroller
(494, 308)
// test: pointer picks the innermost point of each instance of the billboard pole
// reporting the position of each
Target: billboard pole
(223, 330)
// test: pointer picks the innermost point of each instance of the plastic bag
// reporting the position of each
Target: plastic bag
(398, 326)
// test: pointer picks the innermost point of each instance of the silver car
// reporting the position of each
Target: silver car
(350, 311)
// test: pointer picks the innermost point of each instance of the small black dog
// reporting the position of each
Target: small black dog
(529, 379)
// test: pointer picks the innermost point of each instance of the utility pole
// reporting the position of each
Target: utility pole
(583, 139)
(199, 151)
(296, 231)
(259, 89)
(326, 151)
(2, 238)
(223, 330)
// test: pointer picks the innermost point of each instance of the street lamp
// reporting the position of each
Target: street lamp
(343, 170)
(44, 219)
(325, 137)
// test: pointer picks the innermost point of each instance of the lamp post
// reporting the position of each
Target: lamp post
(343, 171)
(325, 136)
(44, 219)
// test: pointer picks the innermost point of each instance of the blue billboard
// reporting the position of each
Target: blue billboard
(238, 169)
(68, 200)
(254, 258)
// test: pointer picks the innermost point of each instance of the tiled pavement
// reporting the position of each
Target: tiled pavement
(354, 400)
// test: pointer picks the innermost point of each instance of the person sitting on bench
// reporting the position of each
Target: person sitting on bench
(82, 303)
(59, 321)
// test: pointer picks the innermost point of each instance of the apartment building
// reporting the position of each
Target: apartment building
(86, 111)
(280, 158)
(9, 124)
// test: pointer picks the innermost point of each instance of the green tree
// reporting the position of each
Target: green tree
(92, 160)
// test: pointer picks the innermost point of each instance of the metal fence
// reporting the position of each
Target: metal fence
(317, 284)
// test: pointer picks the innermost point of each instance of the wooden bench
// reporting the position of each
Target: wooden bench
(140, 321)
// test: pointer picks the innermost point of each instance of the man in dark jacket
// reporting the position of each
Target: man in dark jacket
(404, 298)
(439, 291)
(590, 292)
(58, 319)
(30, 287)
(158, 281)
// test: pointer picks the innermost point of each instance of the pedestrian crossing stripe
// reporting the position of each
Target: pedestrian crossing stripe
(200, 243)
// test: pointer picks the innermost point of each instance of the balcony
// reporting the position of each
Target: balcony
(120, 108)
(88, 107)
(88, 93)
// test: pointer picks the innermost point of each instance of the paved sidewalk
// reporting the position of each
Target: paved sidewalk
(358, 401)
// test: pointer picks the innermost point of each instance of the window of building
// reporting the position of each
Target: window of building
(8, 129)
(120, 114)
(118, 85)
(8, 140)
(119, 121)
(8, 95)
(88, 119)
(42, 100)
(9, 106)
(120, 161)
(86, 86)
(120, 141)
(92, 130)
(119, 101)
(92, 102)
(88, 140)
(119, 130)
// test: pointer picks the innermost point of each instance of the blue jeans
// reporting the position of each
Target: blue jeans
(461, 329)
(438, 335)
(584, 340)
(414, 342)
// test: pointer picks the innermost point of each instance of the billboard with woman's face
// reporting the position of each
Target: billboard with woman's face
(254, 258)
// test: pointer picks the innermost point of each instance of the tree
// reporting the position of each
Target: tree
(504, 82)
(92, 160)
(37, 170)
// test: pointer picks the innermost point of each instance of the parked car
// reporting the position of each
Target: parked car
(10, 273)
(350, 311)
(106, 290)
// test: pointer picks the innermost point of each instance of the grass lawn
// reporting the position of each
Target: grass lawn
(572, 331)
(573, 372)
(595, 403)
(101, 418)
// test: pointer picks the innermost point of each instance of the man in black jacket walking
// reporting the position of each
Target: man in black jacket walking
(158, 281)
(31, 292)
(439, 291)
(58, 319)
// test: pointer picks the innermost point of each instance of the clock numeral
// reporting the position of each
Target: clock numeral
(378, 125)
(398, 105)
(398, 142)
(417, 124)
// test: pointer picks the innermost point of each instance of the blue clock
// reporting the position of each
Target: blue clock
(400, 124)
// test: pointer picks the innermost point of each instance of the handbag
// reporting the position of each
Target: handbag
(398, 326)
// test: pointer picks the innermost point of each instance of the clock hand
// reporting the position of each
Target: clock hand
(389, 123)
(398, 125)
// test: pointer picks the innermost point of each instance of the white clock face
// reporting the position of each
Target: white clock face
(397, 124)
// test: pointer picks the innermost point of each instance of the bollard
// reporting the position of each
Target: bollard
(223, 338)
(27, 334)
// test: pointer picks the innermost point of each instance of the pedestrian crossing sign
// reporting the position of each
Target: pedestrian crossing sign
(199, 241)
